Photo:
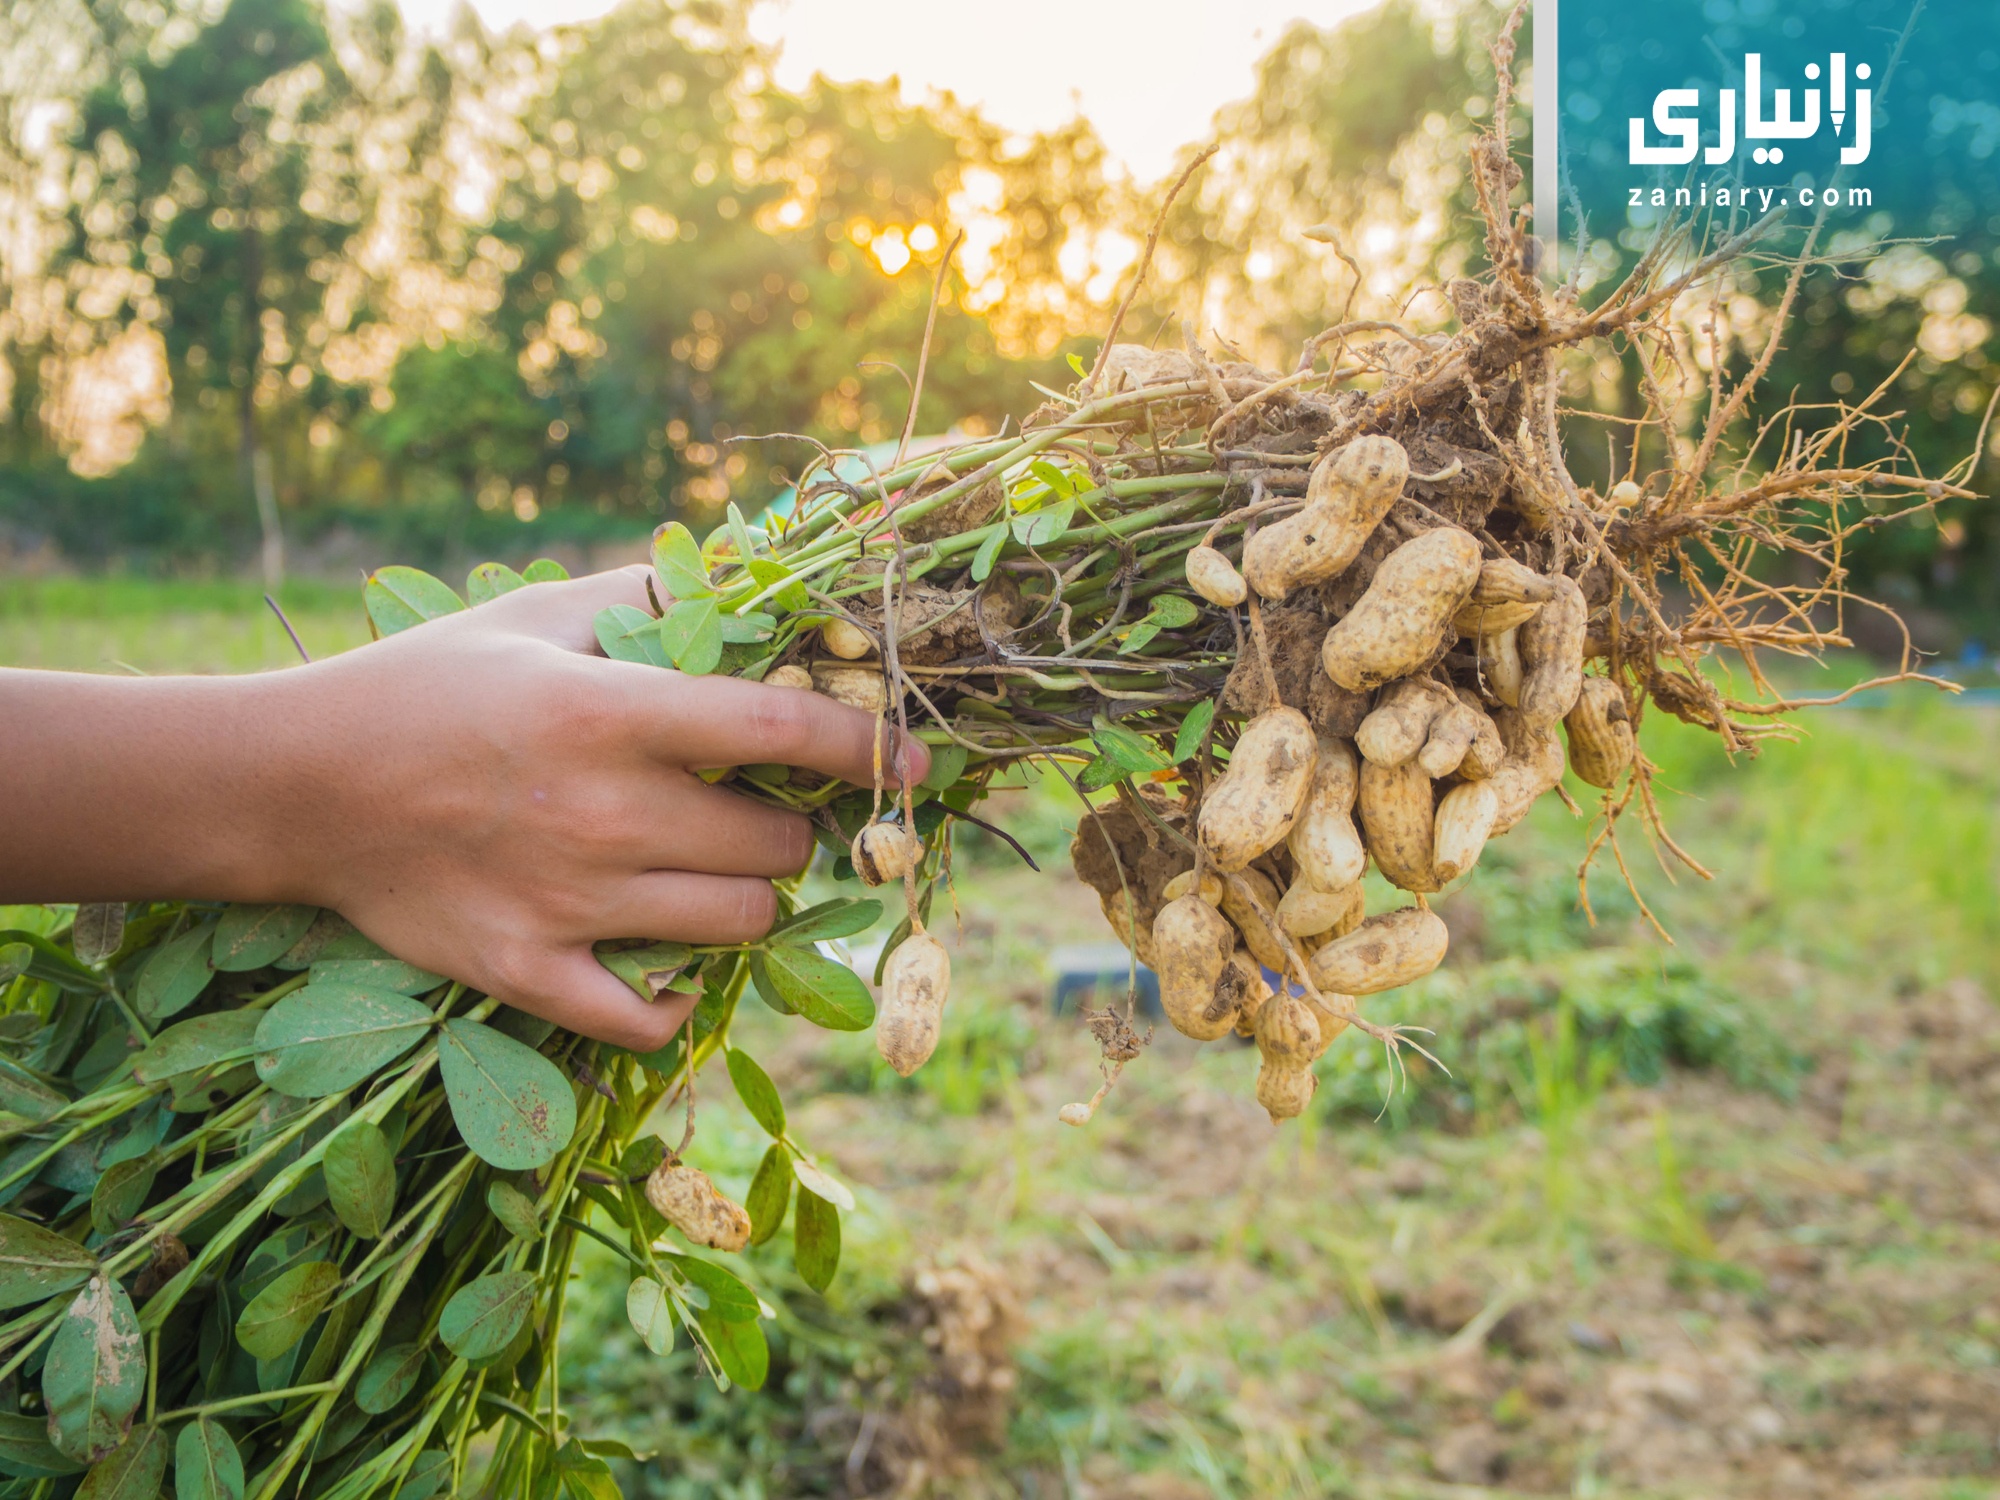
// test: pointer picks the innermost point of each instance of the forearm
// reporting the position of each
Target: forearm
(125, 789)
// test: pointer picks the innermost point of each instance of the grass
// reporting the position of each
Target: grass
(150, 625)
(1712, 1219)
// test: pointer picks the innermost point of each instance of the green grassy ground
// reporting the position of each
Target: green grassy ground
(1714, 1219)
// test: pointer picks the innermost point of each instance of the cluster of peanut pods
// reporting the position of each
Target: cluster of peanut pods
(1435, 768)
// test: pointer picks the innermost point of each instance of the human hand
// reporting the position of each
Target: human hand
(484, 795)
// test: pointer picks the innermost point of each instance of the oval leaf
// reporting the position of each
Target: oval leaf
(815, 1180)
(206, 1463)
(390, 974)
(947, 765)
(490, 580)
(97, 931)
(483, 1316)
(96, 1372)
(651, 1313)
(801, 980)
(816, 1240)
(121, 1192)
(135, 1470)
(739, 1349)
(628, 634)
(691, 632)
(647, 968)
(728, 1298)
(328, 1037)
(249, 937)
(770, 1194)
(677, 559)
(388, 1377)
(545, 570)
(278, 1317)
(175, 975)
(37, 1263)
(361, 1179)
(758, 1093)
(841, 917)
(1193, 727)
(513, 1106)
(189, 1046)
(428, 1475)
(25, 1450)
(515, 1210)
(397, 598)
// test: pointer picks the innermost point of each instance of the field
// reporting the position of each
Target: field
(1715, 1218)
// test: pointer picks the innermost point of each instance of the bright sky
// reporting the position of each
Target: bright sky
(1148, 73)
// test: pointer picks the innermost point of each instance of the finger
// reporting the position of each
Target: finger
(565, 613)
(711, 831)
(574, 990)
(723, 721)
(682, 907)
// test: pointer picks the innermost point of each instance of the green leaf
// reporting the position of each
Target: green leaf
(328, 1037)
(515, 1210)
(390, 974)
(841, 917)
(96, 1372)
(739, 1349)
(483, 1316)
(1173, 612)
(25, 1450)
(739, 533)
(579, 1476)
(1076, 363)
(630, 634)
(545, 570)
(429, 1474)
(947, 765)
(1193, 727)
(388, 1377)
(1135, 754)
(758, 1093)
(770, 1194)
(279, 1316)
(361, 1179)
(816, 1179)
(97, 930)
(206, 1463)
(22, 1093)
(189, 1046)
(728, 1298)
(651, 1313)
(1038, 528)
(743, 630)
(121, 1192)
(767, 571)
(639, 1159)
(134, 1470)
(612, 1448)
(691, 633)
(677, 559)
(988, 554)
(800, 981)
(175, 975)
(646, 967)
(816, 1240)
(14, 961)
(397, 598)
(57, 965)
(1099, 773)
(249, 937)
(513, 1106)
(490, 580)
(1138, 637)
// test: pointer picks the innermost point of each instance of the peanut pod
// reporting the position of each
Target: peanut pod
(845, 639)
(915, 985)
(1401, 720)
(1464, 819)
(1552, 655)
(1534, 764)
(1192, 943)
(857, 687)
(687, 1200)
(1306, 911)
(1400, 621)
(1396, 816)
(1214, 577)
(882, 852)
(1487, 751)
(1323, 842)
(1457, 729)
(1383, 952)
(1263, 943)
(1346, 498)
(1252, 807)
(1601, 743)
